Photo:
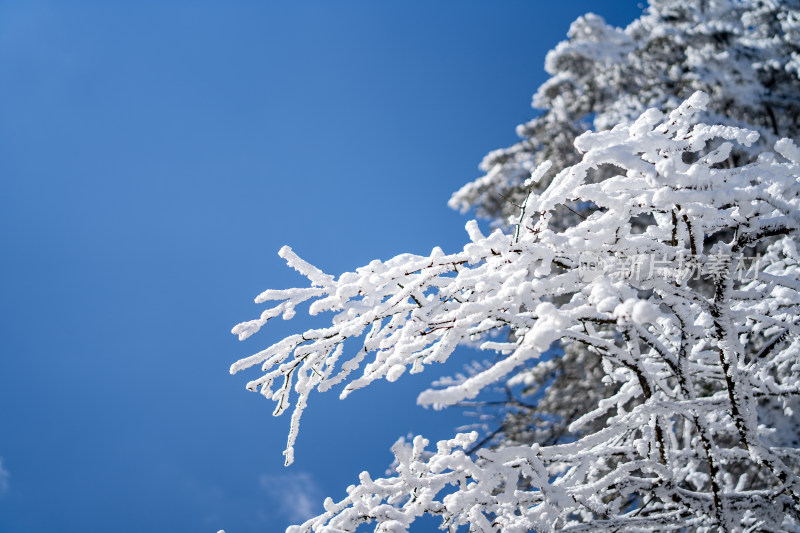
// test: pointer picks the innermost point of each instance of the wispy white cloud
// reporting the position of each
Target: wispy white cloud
(4, 477)
(297, 496)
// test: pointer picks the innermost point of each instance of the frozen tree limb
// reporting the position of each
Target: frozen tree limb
(676, 438)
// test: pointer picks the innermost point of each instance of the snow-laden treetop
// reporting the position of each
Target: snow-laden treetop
(744, 53)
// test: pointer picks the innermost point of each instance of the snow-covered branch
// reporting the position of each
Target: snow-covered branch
(695, 351)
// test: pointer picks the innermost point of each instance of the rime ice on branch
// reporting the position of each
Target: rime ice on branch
(692, 368)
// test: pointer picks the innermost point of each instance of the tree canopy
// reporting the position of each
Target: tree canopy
(744, 54)
(642, 288)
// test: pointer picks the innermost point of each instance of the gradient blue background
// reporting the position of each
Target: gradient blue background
(154, 156)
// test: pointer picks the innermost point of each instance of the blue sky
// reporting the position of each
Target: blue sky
(154, 157)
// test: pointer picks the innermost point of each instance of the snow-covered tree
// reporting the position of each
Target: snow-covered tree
(679, 282)
(744, 53)
(657, 376)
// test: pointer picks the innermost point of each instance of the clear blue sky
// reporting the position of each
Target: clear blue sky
(154, 156)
